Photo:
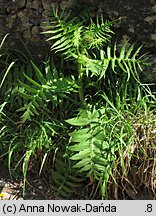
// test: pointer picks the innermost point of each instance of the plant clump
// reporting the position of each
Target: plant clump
(86, 119)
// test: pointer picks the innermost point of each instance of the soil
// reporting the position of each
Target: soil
(36, 190)
(41, 189)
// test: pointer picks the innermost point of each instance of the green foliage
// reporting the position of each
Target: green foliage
(104, 142)
(83, 116)
(97, 57)
(50, 88)
(104, 136)
(14, 64)
(66, 180)
(6, 66)
(73, 37)
(101, 132)
(127, 61)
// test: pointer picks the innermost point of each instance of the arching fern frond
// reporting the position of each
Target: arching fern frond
(49, 88)
(90, 147)
(102, 138)
(95, 35)
(65, 32)
(121, 61)
(127, 61)
(72, 37)
(66, 180)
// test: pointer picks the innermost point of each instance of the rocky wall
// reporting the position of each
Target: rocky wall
(23, 20)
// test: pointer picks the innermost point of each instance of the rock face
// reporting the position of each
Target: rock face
(137, 17)
(23, 20)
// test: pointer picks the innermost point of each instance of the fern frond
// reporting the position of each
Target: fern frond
(95, 35)
(72, 37)
(126, 62)
(101, 139)
(48, 89)
(65, 32)
(66, 181)
(90, 146)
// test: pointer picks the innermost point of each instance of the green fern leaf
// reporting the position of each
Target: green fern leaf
(39, 74)
(36, 84)
(82, 162)
(82, 154)
(79, 135)
(38, 95)
(66, 181)
(127, 61)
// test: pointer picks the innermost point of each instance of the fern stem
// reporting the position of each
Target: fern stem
(80, 76)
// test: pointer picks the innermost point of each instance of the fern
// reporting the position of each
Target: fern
(98, 142)
(127, 61)
(63, 31)
(95, 35)
(88, 141)
(72, 37)
(48, 89)
(75, 39)
(66, 181)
